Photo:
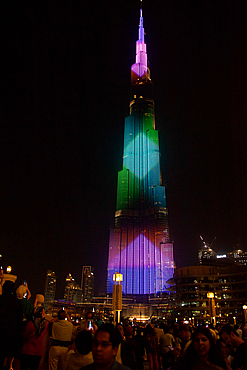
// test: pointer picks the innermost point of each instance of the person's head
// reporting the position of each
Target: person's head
(39, 312)
(202, 341)
(149, 330)
(166, 329)
(184, 332)
(89, 316)
(128, 332)
(83, 342)
(120, 329)
(105, 345)
(39, 300)
(21, 291)
(8, 287)
(223, 348)
(61, 315)
(230, 336)
(202, 348)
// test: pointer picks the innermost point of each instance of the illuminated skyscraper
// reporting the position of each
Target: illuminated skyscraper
(140, 245)
(50, 288)
(72, 291)
(87, 283)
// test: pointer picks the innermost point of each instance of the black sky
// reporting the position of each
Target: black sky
(65, 93)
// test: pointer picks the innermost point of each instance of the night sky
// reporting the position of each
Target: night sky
(65, 93)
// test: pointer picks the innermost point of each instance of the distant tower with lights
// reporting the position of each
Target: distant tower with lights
(50, 288)
(140, 246)
(87, 283)
(72, 291)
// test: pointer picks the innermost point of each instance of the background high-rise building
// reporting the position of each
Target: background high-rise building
(73, 291)
(87, 283)
(140, 246)
(50, 288)
(193, 283)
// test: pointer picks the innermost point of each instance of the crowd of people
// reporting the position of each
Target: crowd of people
(32, 340)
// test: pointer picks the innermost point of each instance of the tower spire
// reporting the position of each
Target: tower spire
(139, 69)
(141, 29)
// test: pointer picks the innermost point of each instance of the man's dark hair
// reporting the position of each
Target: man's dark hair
(8, 287)
(115, 336)
(89, 315)
(228, 329)
(38, 312)
(166, 329)
(83, 342)
(61, 315)
(184, 327)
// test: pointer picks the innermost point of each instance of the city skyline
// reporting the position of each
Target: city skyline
(66, 85)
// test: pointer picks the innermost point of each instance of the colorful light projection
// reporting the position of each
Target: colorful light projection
(145, 266)
(139, 245)
(140, 68)
(141, 163)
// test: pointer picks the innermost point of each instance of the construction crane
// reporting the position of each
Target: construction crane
(206, 245)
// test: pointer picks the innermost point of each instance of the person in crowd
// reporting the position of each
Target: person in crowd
(33, 340)
(159, 331)
(105, 346)
(245, 332)
(1, 280)
(121, 330)
(62, 330)
(175, 333)
(83, 355)
(118, 357)
(128, 347)
(140, 348)
(10, 324)
(214, 332)
(88, 323)
(39, 301)
(230, 336)
(23, 294)
(185, 335)
(225, 351)
(151, 345)
(167, 343)
(238, 330)
(202, 352)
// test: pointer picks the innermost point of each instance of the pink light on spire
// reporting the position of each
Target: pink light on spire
(139, 69)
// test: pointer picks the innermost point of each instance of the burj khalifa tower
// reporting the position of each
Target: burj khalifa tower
(140, 246)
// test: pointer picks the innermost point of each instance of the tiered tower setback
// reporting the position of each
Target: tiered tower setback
(140, 245)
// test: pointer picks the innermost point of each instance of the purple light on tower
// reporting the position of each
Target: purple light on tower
(140, 67)
(145, 266)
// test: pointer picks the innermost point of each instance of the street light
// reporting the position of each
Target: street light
(245, 312)
(210, 295)
(8, 269)
(117, 296)
(211, 304)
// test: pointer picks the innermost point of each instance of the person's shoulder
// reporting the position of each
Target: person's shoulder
(29, 327)
(242, 348)
(88, 367)
(117, 366)
(63, 323)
